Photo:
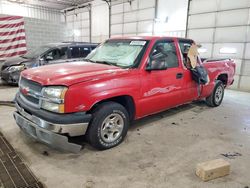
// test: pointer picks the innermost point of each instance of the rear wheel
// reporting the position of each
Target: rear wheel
(109, 126)
(215, 99)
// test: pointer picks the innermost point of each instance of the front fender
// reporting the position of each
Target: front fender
(111, 94)
(83, 96)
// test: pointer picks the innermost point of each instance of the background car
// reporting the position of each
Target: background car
(44, 55)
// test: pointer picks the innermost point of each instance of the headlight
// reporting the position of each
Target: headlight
(16, 68)
(59, 108)
(54, 92)
(53, 98)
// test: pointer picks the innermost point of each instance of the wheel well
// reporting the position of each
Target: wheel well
(125, 100)
(223, 78)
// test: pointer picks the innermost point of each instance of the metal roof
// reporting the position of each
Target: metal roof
(55, 4)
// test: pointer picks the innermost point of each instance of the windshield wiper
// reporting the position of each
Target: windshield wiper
(107, 63)
(89, 60)
(101, 62)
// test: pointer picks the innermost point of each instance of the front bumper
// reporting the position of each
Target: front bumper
(10, 77)
(54, 134)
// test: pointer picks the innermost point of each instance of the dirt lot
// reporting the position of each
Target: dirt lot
(159, 151)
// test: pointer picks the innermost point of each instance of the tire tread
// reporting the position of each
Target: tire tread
(210, 99)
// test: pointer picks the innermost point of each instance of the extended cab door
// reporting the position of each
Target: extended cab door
(162, 89)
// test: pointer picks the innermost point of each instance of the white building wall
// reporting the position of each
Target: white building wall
(78, 23)
(136, 17)
(39, 32)
(223, 29)
(42, 25)
(175, 15)
(100, 21)
(9, 8)
(146, 17)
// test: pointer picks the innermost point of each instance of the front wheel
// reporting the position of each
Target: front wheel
(215, 99)
(109, 126)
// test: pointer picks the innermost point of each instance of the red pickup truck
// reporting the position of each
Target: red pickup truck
(121, 80)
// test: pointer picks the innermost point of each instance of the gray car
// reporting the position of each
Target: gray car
(44, 55)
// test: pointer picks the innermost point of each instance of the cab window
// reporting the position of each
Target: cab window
(184, 47)
(84, 51)
(63, 53)
(79, 51)
(52, 55)
(75, 52)
(164, 52)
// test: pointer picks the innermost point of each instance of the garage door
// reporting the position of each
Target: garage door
(222, 27)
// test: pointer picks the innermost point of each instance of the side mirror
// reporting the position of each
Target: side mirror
(44, 60)
(41, 58)
(41, 61)
(156, 64)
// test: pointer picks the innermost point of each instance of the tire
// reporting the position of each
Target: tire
(108, 126)
(215, 99)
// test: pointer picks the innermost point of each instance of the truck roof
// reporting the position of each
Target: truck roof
(148, 37)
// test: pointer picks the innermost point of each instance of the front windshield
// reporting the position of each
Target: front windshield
(36, 52)
(122, 53)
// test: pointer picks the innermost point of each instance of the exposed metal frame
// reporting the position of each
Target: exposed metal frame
(38, 7)
(65, 3)
(90, 22)
(137, 20)
(109, 7)
(188, 9)
(89, 8)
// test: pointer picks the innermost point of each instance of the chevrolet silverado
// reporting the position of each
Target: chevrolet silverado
(123, 79)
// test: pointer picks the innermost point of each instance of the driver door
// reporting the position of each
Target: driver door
(51, 56)
(162, 89)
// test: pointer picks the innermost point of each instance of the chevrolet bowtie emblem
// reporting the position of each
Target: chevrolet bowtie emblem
(25, 90)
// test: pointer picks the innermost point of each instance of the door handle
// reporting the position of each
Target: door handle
(179, 75)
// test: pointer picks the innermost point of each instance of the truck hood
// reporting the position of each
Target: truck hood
(71, 73)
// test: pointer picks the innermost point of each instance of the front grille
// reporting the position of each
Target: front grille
(33, 90)
(31, 99)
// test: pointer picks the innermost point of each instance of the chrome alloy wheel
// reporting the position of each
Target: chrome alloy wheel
(218, 94)
(112, 127)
